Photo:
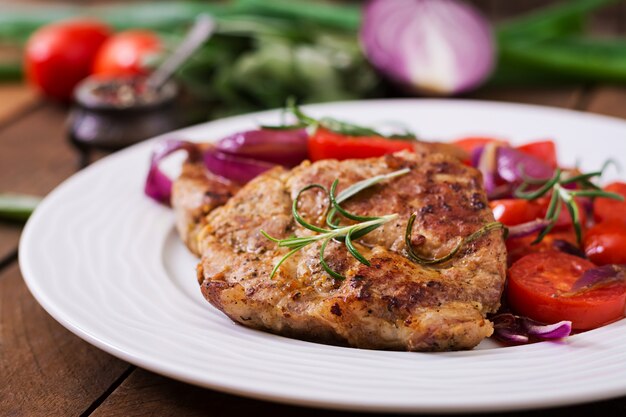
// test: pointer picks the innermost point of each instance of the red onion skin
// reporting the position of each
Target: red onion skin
(434, 46)
(278, 146)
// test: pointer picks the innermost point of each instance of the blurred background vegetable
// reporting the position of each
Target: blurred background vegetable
(129, 52)
(61, 54)
(17, 207)
(267, 50)
(439, 47)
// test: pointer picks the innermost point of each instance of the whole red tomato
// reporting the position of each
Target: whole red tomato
(61, 54)
(127, 53)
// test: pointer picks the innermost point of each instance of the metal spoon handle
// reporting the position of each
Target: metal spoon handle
(202, 29)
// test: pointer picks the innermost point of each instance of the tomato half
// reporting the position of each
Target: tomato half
(59, 55)
(539, 284)
(605, 243)
(326, 144)
(544, 150)
(127, 53)
(609, 209)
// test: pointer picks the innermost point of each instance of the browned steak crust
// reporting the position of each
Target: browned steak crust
(393, 304)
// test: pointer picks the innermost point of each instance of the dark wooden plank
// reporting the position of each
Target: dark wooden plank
(45, 369)
(610, 101)
(9, 236)
(35, 155)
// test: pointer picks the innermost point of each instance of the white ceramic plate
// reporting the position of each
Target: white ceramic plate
(104, 261)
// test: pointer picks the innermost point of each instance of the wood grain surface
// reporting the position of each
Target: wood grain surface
(47, 371)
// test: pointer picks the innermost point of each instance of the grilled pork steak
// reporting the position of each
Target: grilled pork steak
(393, 304)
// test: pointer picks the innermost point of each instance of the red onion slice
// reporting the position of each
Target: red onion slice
(488, 165)
(548, 331)
(158, 186)
(286, 147)
(436, 46)
(510, 162)
(601, 275)
(528, 228)
(519, 330)
(233, 167)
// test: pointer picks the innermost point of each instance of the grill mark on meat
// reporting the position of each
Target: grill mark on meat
(395, 303)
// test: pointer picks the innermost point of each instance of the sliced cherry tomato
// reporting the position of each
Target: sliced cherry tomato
(605, 243)
(517, 248)
(127, 53)
(544, 150)
(609, 209)
(326, 144)
(59, 55)
(540, 286)
(512, 211)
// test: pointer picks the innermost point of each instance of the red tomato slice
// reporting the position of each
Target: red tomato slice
(512, 211)
(605, 243)
(609, 209)
(538, 287)
(326, 144)
(544, 150)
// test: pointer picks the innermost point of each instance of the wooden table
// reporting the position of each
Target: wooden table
(46, 370)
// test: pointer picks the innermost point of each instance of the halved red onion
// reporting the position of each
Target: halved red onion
(601, 275)
(528, 228)
(158, 186)
(235, 168)
(286, 147)
(434, 46)
(518, 330)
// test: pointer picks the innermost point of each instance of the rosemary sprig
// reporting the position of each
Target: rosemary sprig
(462, 242)
(561, 195)
(342, 234)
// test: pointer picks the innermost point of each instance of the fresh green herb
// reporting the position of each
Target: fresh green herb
(562, 195)
(17, 207)
(342, 234)
(462, 242)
